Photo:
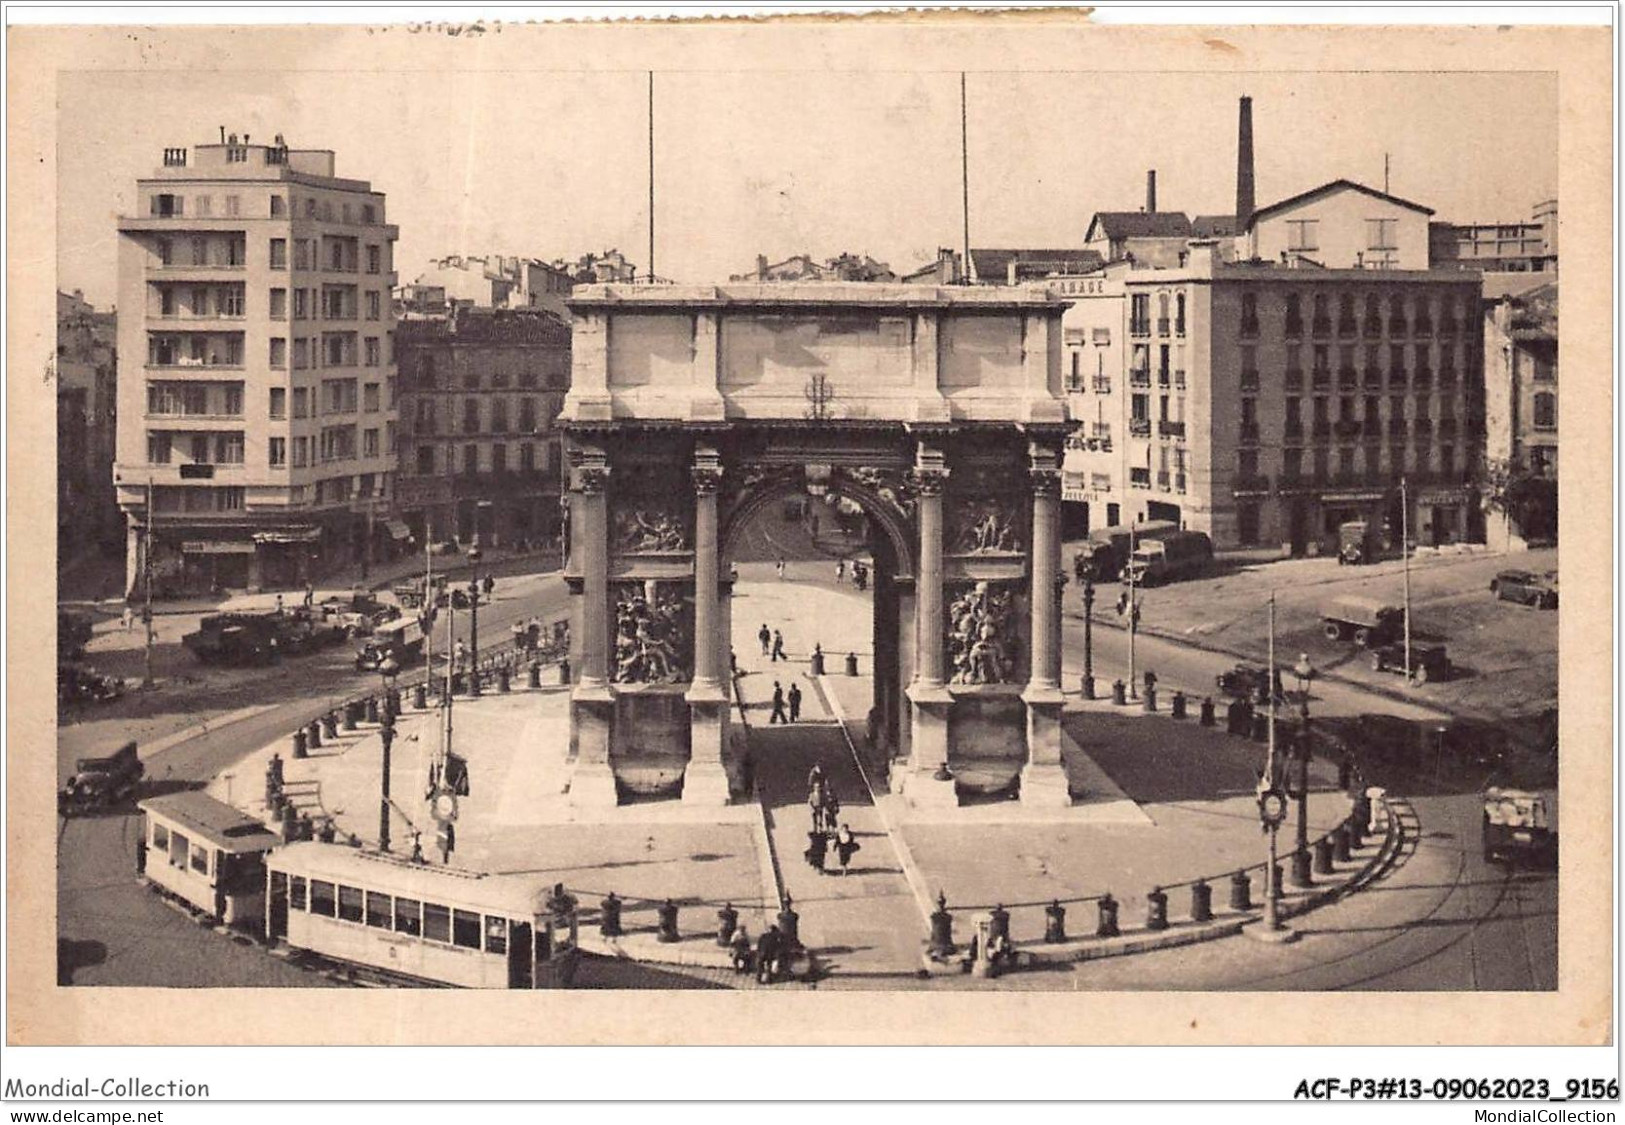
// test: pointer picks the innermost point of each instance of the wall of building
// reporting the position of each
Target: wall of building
(1343, 239)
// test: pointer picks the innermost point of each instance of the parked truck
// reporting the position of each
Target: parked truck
(1368, 622)
(1175, 555)
(101, 783)
(1105, 553)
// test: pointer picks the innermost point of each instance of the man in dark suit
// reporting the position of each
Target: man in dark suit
(778, 705)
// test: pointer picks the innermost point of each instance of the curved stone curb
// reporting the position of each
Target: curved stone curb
(1030, 954)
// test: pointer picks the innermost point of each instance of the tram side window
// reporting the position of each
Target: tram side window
(408, 916)
(200, 860)
(322, 900)
(350, 904)
(465, 929)
(160, 838)
(378, 910)
(436, 922)
(496, 935)
(296, 892)
(178, 847)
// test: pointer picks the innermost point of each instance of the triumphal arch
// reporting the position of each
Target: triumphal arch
(937, 411)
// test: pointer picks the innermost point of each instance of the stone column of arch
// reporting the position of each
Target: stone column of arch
(1043, 778)
(705, 781)
(592, 702)
(928, 780)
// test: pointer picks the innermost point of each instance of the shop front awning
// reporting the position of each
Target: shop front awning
(217, 547)
(289, 535)
(398, 529)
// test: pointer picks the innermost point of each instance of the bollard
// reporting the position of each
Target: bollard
(1179, 705)
(1261, 726)
(372, 708)
(290, 824)
(1323, 856)
(1280, 883)
(1241, 888)
(1119, 693)
(313, 735)
(564, 670)
(1201, 901)
(1088, 687)
(1156, 909)
(1345, 772)
(1355, 827)
(668, 922)
(1150, 698)
(817, 661)
(350, 718)
(1000, 924)
(942, 929)
(790, 923)
(330, 726)
(1360, 816)
(851, 664)
(420, 697)
(299, 743)
(1302, 864)
(394, 698)
(535, 679)
(502, 680)
(1340, 843)
(1055, 922)
(328, 832)
(1207, 711)
(727, 923)
(1107, 926)
(475, 679)
(609, 916)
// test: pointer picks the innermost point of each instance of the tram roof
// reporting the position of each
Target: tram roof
(516, 895)
(205, 818)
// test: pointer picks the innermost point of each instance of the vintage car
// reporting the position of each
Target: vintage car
(1526, 587)
(1248, 681)
(1428, 662)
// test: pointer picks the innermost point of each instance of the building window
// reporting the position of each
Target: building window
(527, 457)
(279, 253)
(279, 303)
(390, 383)
(372, 351)
(279, 402)
(374, 253)
(1382, 234)
(1247, 524)
(1545, 411)
(158, 449)
(527, 415)
(369, 443)
(301, 398)
(499, 416)
(374, 305)
(425, 460)
(389, 438)
(1303, 234)
(369, 398)
(471, 459)
(1140, 314)
(1249, 314)
(471, 416)
(499, 458)
(278, 448)
(279, 207)
(301, 452)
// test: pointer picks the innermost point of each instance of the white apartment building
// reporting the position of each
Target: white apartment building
(256, 397)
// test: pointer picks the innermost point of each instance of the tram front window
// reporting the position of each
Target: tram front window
(408, 916)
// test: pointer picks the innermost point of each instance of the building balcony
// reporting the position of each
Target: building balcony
(1397, 326)
(182, 272)
(1139, 328)
(1103, 386)
(1321, 377)
(1249, 328)
(1422, 327)
(1447, 427)
(1249, 484)
(1163, 378)
(1447, 378)
(1162, 326)
(1372, 327)
(1294, 379)
(209, 370)
(137, 476)
(1179, 327)
(1422, 427)
(1346, 428)
(1322, 428)
(1397, 377)
(1322, 326)
(1249, 433)
(1447, 327)
(1249, 380)
(1171, 429)
(1348, 377)
(1396, 427)
(1293, 431)
(1423, 377)
(1163, 480)
(1139, 427)
(1139, 378)
(1347, 328)
(1294, 328)
(1139, 478)
(1372, 378)
(186, 322)
(1179, 483)
(1179, 380)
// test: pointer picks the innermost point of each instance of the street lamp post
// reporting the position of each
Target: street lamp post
(1304, 672)
(388, 669)
(474, 622)
(1271, 813)
(1088, 632)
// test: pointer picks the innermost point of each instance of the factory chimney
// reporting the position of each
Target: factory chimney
(1151, 192)
(1244, 166)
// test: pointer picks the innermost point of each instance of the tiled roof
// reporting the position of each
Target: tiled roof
(1140, 224)
(535, 327)
(994, 265)
(1213, 226)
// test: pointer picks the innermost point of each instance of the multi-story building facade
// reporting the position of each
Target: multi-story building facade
(1340, 225)
(86, 426)
(480, 455)
(1520, 392)
(1518, 247)
(257, 389)
(1094, 477)
(1266, 405)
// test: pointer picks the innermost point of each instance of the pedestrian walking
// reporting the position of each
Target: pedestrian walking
(310, 595)
(533, 632)
(490, 584)
(769, 948)
(846, 846)
(739, 950)
(461, 654)
(795, 701)
(778, 705)
(817, 849)
(733, 663)
(778, 646)
(840, 571)
(128, 617)
(518, 630)
(765, 636)
(780, 569)
(279, 604)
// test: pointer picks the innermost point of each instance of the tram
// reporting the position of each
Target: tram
(420, 923)
(206, 855)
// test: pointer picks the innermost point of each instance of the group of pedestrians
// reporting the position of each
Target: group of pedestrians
(780, 698)
(860, 573)
(771, 956)
(827, 830)
(772, 644)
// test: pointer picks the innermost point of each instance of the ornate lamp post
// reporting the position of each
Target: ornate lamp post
(1087, 573)
(388, 669)
(474, 622)
(1271, 814)
(1304, 672)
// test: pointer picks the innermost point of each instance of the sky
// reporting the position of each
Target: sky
(549, 164)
